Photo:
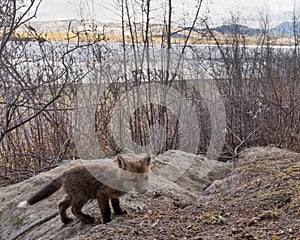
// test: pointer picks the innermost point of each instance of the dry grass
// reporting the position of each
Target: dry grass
(118, 38)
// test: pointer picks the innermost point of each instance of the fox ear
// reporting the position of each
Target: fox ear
(121, 162)
(147, 160)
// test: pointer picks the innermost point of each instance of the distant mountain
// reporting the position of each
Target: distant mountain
(179, 35)
(186, 28)
(286, 28)
(61, 25)
(229, 29)
(237, 29)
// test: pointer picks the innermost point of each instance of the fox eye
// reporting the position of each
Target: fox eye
(134, 180)
(146, 178)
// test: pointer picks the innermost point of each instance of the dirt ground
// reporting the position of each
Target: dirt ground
(255, 197)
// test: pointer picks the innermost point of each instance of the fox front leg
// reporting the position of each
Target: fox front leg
(115, 202)
(104, 208)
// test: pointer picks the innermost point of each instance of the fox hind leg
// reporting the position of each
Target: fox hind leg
(64, 204)
(115, 202)
(76, 210)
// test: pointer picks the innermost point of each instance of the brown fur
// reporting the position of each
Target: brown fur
(80, 186)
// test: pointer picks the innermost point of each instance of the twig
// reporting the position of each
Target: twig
(245, 140)
(154, 224)
(7, 130)
(61, 153)
(37, 223)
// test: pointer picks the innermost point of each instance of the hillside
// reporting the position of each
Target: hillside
(287, 28)
(237, 29)
(284, 28)
(256, 198)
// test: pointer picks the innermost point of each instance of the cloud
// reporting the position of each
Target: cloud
(219, 9)
(58, 10)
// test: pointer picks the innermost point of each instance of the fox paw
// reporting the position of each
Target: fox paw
(121, 212)
(67, 220)
(106, 220)
(88, 219)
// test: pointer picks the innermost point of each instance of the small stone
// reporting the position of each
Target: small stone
(253, 221)
(235, 230)
(280, 232)
(198, 238)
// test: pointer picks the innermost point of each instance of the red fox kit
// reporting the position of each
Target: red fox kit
(81, 185)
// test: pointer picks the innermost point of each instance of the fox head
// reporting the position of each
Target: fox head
(137, 173)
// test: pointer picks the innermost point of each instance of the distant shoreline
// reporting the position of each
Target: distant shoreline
(225, 40)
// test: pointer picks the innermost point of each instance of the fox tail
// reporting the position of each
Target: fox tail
(45, 192)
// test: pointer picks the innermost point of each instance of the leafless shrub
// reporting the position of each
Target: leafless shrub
(259, 85)
(38, 82)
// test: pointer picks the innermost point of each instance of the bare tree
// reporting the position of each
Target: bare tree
(259, 85)
(38, 81)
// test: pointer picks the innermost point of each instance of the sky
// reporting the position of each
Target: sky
(218, 10)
